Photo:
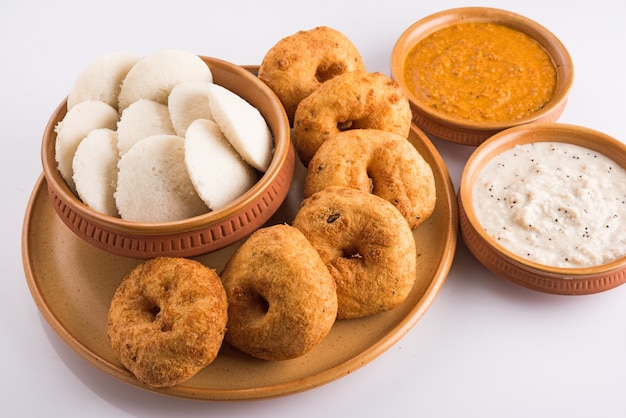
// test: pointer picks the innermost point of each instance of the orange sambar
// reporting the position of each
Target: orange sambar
(484, 72)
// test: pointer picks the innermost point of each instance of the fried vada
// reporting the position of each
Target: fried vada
(282, 300)
(367, 246)
(354, 100)
(379, 162)
(167, 320)
(298, 64)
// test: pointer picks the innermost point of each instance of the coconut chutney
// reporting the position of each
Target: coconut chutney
(554, 203)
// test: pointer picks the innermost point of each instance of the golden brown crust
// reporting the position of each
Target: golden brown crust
(378, 162)
(366, 244)
(355, 100)
(299, 63)
(282, 299)
(167, 320)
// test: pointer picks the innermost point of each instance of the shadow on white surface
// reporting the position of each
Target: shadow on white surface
(467, 272)
(135, 401)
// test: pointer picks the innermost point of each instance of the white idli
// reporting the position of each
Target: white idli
(95, 170)
(243, 125)
(154, 76)
(76, 125)
(187, 102)
(140, 120)
(153, 184)
(101, 79)
(217, 171)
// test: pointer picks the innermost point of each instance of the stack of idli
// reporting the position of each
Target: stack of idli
(153, 139)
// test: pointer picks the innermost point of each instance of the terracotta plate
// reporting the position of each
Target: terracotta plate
(72, 284)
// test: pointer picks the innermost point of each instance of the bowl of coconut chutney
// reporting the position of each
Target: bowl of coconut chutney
(544, 205)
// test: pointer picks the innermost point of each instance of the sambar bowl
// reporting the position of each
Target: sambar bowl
(474, 71)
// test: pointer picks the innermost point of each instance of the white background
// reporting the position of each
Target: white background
(485, 348)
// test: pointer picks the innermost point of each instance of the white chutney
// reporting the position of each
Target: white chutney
(554, 203)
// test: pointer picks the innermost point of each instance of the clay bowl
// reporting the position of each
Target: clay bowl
(506, 263)
(466, 131)
(194, 236)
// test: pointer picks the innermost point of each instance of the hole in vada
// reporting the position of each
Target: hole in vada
(332, 218)
(344, 125)
(329, 70)
(259, 305)
(154, 311)
(372, 187)
(351, 253)
(251, 299)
